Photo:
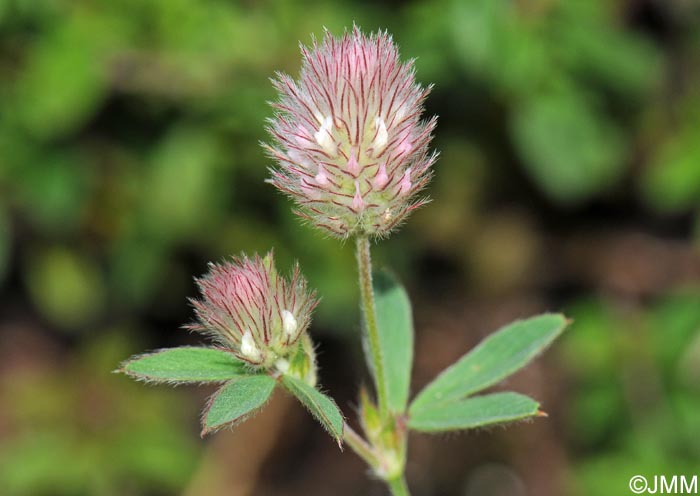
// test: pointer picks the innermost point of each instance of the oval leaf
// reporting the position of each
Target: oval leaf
(479, 411)
(498, 356)
(321, 406)
(235, 401)
(185, 364)
(395, 325)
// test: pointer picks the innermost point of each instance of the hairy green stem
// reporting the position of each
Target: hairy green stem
(359, 446)
(370, 454)
(362, 448)
(398, 487)
(364, 264)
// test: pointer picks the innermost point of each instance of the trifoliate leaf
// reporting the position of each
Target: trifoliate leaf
(498, 356)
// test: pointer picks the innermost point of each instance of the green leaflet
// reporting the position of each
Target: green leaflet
(498, 356)
(478, 411)
(395, 325)
(236, 400)
(185, 364)
(321, 406)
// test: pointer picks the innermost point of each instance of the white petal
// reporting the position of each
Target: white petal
(282, 365)
(289, 322)
(248, 347)
(382, 137)
(324, 136)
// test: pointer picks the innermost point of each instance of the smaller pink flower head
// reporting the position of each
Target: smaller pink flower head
(350, 146)
(249, 309)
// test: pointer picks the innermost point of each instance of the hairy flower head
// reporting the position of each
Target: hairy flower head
(350, 146)
(249, 309)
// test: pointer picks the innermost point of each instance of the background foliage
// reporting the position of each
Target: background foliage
(569, 180)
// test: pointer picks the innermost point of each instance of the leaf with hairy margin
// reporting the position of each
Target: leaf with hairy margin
(187, 364)
(477, 411)
(501, 354)
(395, 326)
(236, 401)
(321, 406)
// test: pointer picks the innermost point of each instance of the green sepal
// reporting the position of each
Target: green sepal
(302, 362)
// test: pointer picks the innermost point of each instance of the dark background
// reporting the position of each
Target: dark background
(569, 180)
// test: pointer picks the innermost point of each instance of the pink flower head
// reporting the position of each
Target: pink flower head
(350, 146)
(249, 309)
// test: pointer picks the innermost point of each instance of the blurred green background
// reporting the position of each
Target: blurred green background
(569, 179)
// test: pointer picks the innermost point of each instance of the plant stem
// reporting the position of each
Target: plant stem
(398, 486)
(364, 264)
(359, 446)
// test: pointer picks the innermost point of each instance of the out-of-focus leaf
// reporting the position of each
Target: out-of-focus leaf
(137, 268)
(595, 411)
(395, 324)
(328, 268)
(54, 190)
(419, 38)
(571, 150)
(67, 288)
(37, 464)
(478, 411)
(185, 166)
(184, 364)
(591, 353)
(689, 366)
(678, 315)
(622, 60)
(237, 400)
(66, 78)
(488, 32)
(5, 242)
(321, 406)
(671, 182)
(77, 436)
(166, 457)
(498, 356)
(688, 426)
(475, 27)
